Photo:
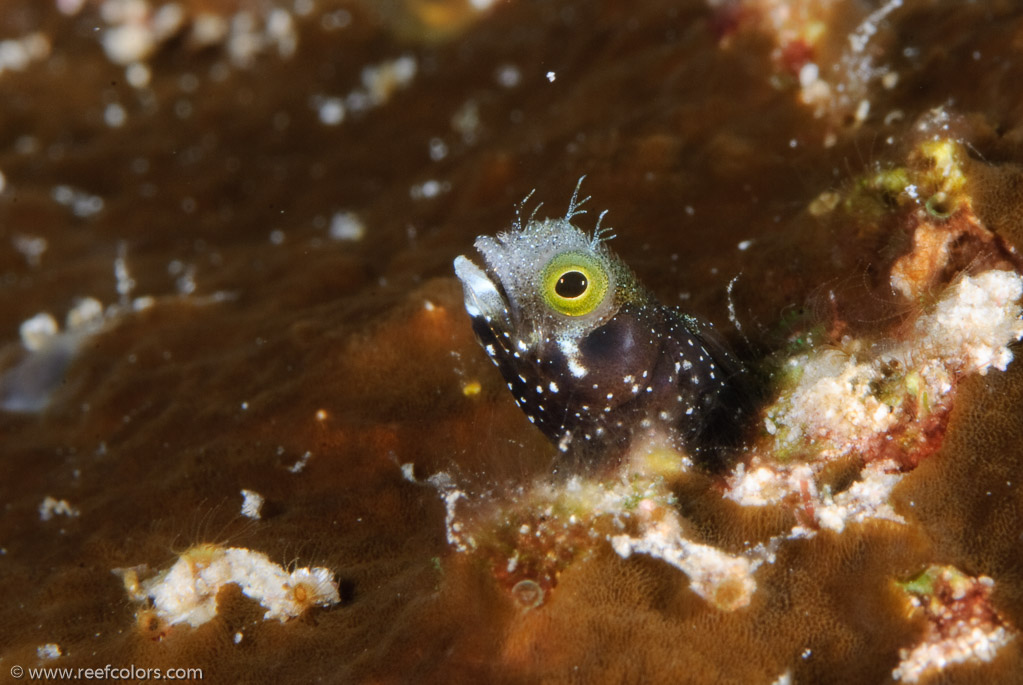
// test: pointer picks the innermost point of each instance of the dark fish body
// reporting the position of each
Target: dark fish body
(589, 354)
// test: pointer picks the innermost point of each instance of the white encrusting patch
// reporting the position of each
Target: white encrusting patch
(834, 403)
(187, 591)
(50, 507)
(553, 386)
(252, 503)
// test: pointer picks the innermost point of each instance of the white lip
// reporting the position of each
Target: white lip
(482, 297)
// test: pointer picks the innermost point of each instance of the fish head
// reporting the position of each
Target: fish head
(546, 280)
(562, 317)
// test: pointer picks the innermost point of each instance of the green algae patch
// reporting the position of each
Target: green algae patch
(962, 626)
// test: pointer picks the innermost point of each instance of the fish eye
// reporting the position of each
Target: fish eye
(571, 285)
(574, 283)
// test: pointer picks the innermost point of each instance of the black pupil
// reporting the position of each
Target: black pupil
(572, 284)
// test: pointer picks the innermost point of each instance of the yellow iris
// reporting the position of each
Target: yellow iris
(574, 283)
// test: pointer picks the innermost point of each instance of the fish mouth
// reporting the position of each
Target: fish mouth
(483, 297)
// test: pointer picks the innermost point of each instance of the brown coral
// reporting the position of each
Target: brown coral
(218, 169)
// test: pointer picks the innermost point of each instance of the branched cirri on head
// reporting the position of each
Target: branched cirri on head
(589, 354)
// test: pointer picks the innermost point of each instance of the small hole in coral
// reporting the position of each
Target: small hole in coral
(528, 594)
(346, 591)
(150, 625)
(938, 206)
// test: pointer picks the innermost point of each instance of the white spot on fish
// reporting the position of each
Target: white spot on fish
(571, 352)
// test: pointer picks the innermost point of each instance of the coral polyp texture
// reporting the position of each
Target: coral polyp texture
(247, 426)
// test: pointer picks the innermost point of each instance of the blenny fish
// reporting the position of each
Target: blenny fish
(591, 356)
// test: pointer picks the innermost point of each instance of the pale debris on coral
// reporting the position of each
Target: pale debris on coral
(635, 516)
(81, 203)
(835, 404)
(973, 644)
(252, 503)
(49, 651)
(836, 89)
(300, 465)
(379, 84)
(856, 71)
(758, 485)
(838, 405)
(973, 327)
(724, 580)
(347, 226)
(187, 591)
(135, 31)
(784, 679)
(28, 385)
(962, 625)
(51, 506)
(868, 498)
(445, 485)
(37, 332)
(16, 54)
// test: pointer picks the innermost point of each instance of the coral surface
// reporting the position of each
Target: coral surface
(245, 426)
